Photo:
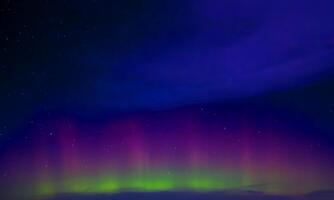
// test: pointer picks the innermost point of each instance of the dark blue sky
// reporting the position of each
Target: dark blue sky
(94, 58)
(175, 54)
(100, 55)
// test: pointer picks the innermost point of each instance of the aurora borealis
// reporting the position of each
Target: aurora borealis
(168, 99)
(170, 151)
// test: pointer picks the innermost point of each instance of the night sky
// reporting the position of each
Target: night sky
(168, 99)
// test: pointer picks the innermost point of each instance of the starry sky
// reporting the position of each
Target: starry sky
(192, 96)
